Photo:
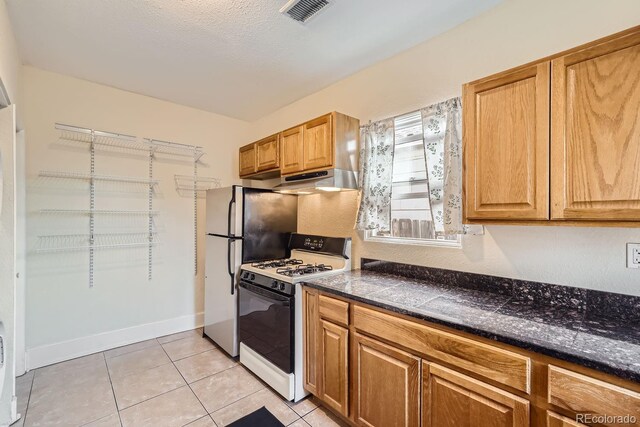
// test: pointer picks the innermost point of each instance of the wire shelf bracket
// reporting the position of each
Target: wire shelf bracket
(202, 183)
(88, 176)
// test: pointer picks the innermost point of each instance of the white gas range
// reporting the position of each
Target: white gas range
(270, 308)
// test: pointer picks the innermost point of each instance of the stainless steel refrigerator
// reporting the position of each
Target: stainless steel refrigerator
(243, 225)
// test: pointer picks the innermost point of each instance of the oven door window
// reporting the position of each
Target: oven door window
(266, 324)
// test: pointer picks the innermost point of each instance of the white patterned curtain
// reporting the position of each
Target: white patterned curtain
(442, 127)
(376, 167)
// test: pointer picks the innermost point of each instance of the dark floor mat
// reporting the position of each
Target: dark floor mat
(260, 418)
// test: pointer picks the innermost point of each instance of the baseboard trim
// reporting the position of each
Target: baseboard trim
(37, 357)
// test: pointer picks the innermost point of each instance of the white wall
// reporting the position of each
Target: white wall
(9, 58)
(65, 317)
(511, 34)
(9, 313)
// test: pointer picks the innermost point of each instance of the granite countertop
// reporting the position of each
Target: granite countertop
(564, 329)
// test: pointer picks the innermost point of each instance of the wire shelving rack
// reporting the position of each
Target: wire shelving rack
(117, 141)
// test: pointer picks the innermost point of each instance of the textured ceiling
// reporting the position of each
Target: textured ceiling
(240, 58)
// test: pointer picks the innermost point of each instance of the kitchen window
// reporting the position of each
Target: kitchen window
(412, 219)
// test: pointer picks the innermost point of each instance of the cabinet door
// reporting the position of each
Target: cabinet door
(310, 338)
(292, 150)
(451, 399)
(318, 143)
(596, 132)
(580, 394)
(334, 368)
(555, 420)
(506, 146)
(248, 160)
(387, 385)
(268, 153)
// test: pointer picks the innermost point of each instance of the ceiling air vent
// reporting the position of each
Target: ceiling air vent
(303, 10)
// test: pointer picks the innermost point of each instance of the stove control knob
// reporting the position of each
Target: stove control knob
(282, 286)
(253, 277)
(274, 284)
(245, 275)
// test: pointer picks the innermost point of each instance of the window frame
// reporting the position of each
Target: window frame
(454, 244)
(370, 235)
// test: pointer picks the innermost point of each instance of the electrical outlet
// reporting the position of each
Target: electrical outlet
(633, 255)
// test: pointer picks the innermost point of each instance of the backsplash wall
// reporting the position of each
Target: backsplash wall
(511, 34)
(585, 257)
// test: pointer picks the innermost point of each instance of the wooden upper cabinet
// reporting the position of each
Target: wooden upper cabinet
(329, 141)
(248, 160)
(387, 385)
(292, 149)
(506, 146)
(268, 153)
(595, 136)
(451, 399)
(557, 140)
(318, 143)
(334, 366)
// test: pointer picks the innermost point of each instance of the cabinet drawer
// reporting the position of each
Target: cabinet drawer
(555, 420)
(334, 310)
(502, 366)
(584, 395)
(456, 400)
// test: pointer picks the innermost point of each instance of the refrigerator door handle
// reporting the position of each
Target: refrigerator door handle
(231, 203)
(229, 267)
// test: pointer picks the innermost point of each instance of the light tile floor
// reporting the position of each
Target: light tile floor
(176, 380)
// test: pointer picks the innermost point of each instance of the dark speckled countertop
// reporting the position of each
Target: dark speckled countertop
(564, 330)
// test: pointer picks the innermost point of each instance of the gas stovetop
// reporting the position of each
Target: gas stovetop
(296, 269)
(310, 257)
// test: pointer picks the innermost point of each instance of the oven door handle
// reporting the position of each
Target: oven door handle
(272, 296)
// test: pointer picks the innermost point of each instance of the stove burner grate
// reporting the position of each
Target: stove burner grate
(303, 270)
(278, 263)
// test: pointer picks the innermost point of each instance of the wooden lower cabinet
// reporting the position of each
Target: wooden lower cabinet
(386, 385)
(555, 420)
(333, 357)
(451, 399)
(375, 368)
(580, 394)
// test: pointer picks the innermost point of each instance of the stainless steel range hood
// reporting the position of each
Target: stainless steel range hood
(318, 182)
(341, 175)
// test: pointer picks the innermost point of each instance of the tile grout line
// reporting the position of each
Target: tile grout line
(26, 409)
(265, 386)
(112, 389)
(169, 391)
(151, 398)
(156, 339)
(205, 377)
(188, 385)
(104, 359)
(191, 355)
(201, 418)
(236, 401)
